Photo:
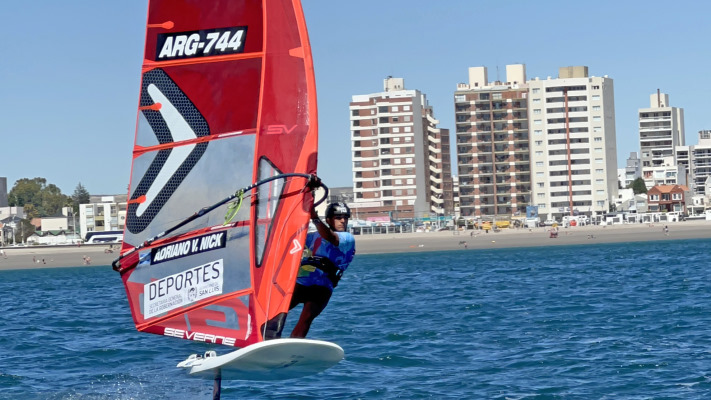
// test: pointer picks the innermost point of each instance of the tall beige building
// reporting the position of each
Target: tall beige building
(493, 160)
(573, 143)
(661, 130)
(401, 159)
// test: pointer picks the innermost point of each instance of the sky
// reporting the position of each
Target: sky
(70, 71)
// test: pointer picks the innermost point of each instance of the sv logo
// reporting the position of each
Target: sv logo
(279, 129)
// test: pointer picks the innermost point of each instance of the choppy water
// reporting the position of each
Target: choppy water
(615, 321)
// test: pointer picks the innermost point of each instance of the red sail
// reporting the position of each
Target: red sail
(227, 99)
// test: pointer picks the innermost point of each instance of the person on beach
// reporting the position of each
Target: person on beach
(327, 253)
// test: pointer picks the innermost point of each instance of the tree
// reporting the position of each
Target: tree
(35, 195)
(26, 191)
(52, 200)
(23, 230)
(80, 196)
(638, 186)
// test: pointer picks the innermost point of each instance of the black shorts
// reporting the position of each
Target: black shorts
(313, 293)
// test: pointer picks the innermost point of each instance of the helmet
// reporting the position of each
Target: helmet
(339, 208)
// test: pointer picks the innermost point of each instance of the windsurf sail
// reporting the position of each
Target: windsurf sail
(227, 125)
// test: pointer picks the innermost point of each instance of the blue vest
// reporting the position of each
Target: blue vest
(340, 255)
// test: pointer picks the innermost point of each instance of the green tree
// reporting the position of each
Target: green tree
(26, 191)
(638, 186)
(23, 230)
(80, 196)
(35, 195)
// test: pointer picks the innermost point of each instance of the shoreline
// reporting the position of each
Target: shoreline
(73, 256)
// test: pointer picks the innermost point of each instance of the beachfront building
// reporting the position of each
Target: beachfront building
(700, 163)
(102, 213)
(493, 160)
(401, 159)
(661, 130)
(573, 144)
(633, 169)
(668, 198)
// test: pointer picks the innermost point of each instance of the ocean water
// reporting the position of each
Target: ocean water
(609, 321)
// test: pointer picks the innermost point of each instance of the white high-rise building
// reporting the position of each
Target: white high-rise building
(573, 143)
(661, 130)
(700, 163)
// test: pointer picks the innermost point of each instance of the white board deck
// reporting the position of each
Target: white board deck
(269, 360)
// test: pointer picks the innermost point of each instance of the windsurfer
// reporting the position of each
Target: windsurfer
(328, 252)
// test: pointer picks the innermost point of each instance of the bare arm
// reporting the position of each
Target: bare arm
(323, 229)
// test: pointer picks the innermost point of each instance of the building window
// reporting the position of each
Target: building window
(536, 122)
(598, 139)
(460, 98)
(406, 108)
(598, 161)
(539, 142)
(676, 196)
(538, 132)
(535, 90)
(596, 97)
(540, 174)
(408, 129)
(537, 111)
(654, 197)
(599, 171)
(596, 108)
(395, 108)
(539, 163)
(536, 101)
(598, 149)
(596, 87)
(597, 118)
(539, 153)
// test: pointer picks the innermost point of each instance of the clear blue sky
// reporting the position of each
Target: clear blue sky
(70, 71)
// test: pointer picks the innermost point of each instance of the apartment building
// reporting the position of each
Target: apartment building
(103, 213)
(573, 143)
(401, 159)
(661, 130)
(633, 169)
(698, 163)
(492, 140)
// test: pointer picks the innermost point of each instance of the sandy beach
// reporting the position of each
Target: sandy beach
(72, 256)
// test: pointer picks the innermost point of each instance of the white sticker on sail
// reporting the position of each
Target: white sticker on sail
(180, 130)
(183, 288)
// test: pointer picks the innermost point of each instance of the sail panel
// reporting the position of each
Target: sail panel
(227, 98)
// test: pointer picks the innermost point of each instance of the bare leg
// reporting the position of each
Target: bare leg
(308, 314)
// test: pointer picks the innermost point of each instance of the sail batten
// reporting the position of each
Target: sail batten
(227, 99)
